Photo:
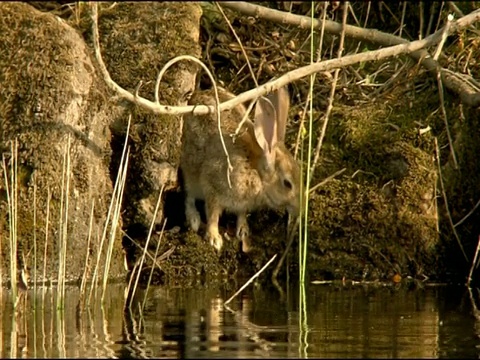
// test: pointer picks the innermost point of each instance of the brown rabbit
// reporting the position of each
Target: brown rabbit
(264, 172)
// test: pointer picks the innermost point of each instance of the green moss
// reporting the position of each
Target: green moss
(379, 217)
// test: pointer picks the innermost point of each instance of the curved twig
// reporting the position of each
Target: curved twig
(217, 100)
(135, 98)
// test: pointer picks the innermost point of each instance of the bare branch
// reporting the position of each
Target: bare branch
(455, 84)
(355, 32)
(404, 47)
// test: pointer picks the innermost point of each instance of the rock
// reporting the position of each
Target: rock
(52, 101)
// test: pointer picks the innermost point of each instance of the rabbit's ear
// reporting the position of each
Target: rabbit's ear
(265, 128)
(281, 102)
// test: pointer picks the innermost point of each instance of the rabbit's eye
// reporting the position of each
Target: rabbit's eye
(287, 184)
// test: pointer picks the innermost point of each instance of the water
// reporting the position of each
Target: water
(338, 322)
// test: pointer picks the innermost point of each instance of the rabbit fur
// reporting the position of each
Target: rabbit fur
(264, 172)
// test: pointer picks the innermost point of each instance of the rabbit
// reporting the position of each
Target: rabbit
(264, 173)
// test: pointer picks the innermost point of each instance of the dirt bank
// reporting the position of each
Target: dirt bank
(381, 216)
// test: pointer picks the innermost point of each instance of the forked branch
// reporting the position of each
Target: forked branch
(468, 94)
(403, 48)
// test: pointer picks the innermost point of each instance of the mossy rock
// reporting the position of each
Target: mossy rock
(52, 100)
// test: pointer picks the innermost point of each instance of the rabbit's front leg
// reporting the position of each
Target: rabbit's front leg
(243, 231)
(191, 213)
(213, 210)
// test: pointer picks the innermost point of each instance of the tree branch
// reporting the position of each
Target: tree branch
(454, 83)
(404, 47)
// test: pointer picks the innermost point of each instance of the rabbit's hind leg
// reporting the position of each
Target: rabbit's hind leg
(243, 231)
(191, 213)
(213, 210)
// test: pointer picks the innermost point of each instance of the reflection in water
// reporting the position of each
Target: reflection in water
(341, 322)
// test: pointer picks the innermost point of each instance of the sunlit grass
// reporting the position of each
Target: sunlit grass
(45, 250)
(34, 236)
(114, 208)
(63, 225)
(303, 223)
(11, 189)
(145, 249)
(119, 186)
(83, 284)
(116, 201)
(59, 250)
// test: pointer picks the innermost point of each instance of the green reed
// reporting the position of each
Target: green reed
(303, 228)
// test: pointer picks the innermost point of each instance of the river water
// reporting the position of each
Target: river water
(331, 321)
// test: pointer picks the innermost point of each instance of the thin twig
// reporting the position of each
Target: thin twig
(45, 251)
(290, 237)
(34, 235)
(155, 261)
(439, 18)
(239, 42)
(350, 10)
(87, 257)
(250, 280)
(421, 16)
(327, 179)
(392, 14)
(153, 267)
(330, 99)
(474, 263)
(149, 236)
(114, 223)
(307, 103)
(445, 32)
(251, 330)
(402, 20)
(244, 119)
(437, 150)
(116, 187)
(468, 215)
(454, 8)
(430, 21)
(475, 311)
